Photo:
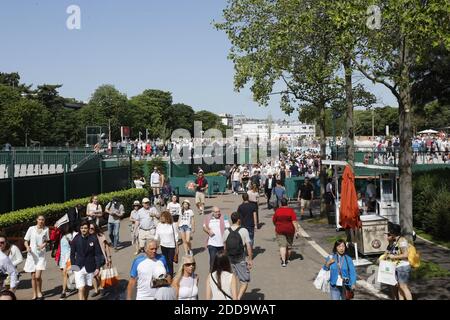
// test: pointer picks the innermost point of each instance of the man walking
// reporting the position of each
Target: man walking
(236, 239)
(142, 270)
(305, 195)
(268, 186)
(86, 257)
(201, 185)
(248, 218)
(116, 211)
(146, 220)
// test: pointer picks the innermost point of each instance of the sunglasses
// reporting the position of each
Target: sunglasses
(2, 242)
(189, 264)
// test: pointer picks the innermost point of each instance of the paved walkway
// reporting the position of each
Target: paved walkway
(269, 279)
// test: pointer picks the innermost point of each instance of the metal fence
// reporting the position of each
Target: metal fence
(23, 192)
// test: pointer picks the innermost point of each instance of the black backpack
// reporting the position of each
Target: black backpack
(235, 248)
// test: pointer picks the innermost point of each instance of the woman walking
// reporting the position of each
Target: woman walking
(286, 226)
(236, 180)
(106, 250)
(36, 240)
(168, 237)
(342, 271)
(94, 210)
(185, 281)
(186, 226)
(64, 256)
(221, 283)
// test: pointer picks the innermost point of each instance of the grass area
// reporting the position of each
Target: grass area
(318, 220)
(429, 270)
(430, 238)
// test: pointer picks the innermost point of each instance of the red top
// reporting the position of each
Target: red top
(282, 219)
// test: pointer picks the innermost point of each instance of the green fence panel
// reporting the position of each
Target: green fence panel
(38, 190)
(215, 185)
(82, 184)
(5, 195)
(115, 179)
(292, 186)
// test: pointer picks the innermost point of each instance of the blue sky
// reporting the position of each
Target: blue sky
(135, 45)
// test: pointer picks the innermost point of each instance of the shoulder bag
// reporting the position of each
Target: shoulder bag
(217, 285)
(175, 257)
(349, 294)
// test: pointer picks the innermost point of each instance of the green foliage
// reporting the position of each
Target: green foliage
(431, 203)
(209, 121)
(139, 171)
(16, 222)
(429, 270)
(180, 116)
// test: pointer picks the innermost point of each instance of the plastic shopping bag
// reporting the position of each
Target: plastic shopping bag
(109, 277)
(386, 273)
(322, 281)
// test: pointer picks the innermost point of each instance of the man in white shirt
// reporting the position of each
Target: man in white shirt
(7, 268)
(142, 271)
(146, 221)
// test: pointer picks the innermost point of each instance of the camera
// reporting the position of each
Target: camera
(3, 276)
(346, 280)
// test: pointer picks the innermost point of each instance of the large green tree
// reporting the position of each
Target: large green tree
(180, 116)
(150, 110)
(107, 107)
(387, 56)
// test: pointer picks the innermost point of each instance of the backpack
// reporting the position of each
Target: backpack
(235, 247)
(413, 256)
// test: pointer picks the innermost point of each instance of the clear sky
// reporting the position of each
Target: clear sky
(135, 45)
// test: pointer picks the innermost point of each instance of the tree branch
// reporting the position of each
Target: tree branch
(376, 79)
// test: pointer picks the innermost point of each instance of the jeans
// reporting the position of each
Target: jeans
(169, 254)
(236, 186)
(113, 229)
(213, 251)
(251, 233)
(336, 293)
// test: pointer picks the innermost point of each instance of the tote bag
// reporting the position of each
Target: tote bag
(386, 273)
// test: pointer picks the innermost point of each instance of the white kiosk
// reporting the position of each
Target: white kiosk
(370, 238)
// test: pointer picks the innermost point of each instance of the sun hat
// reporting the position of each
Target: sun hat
(145, 200)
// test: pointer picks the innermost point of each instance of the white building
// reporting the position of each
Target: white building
(286, 130)
(227, 119)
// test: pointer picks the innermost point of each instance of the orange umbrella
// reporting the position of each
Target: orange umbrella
(349, 211)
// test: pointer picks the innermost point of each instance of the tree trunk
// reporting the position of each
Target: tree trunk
(323, 156)
(349, 142)
(405, 170)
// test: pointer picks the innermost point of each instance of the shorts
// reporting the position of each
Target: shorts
(285, 240)
(155, 185)
(402, 274)
(184, 228)
(241, 270)
(305, 204)
(145, 235)
(82, 278)
(199, 197)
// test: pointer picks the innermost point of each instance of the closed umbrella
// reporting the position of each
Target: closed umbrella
(349, 211)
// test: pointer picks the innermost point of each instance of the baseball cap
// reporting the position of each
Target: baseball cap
(186, 201)
(145, 200)
(159, 272)
(136, 203)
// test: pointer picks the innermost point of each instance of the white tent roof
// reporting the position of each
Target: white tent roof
(428, 131)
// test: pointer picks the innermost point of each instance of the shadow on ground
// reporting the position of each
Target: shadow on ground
(255, 294)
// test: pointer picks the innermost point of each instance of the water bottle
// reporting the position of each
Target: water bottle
(227, 223)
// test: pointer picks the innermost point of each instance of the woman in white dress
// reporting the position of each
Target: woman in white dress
(221, 283)
(36, 240)
(94, 210)
(185, 281)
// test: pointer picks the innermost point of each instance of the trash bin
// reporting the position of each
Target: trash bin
(371, 237)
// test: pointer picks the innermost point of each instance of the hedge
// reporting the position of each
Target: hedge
(431, 203)
(17, 222)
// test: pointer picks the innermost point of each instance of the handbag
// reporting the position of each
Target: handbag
(221, 290)
(347, 291)
(386, 273)
(109, 277)
(322, 281)
(175, 257)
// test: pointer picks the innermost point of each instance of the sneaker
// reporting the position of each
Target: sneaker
(283, 264)
(190, 253)
(94, 294)
(62, 296)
